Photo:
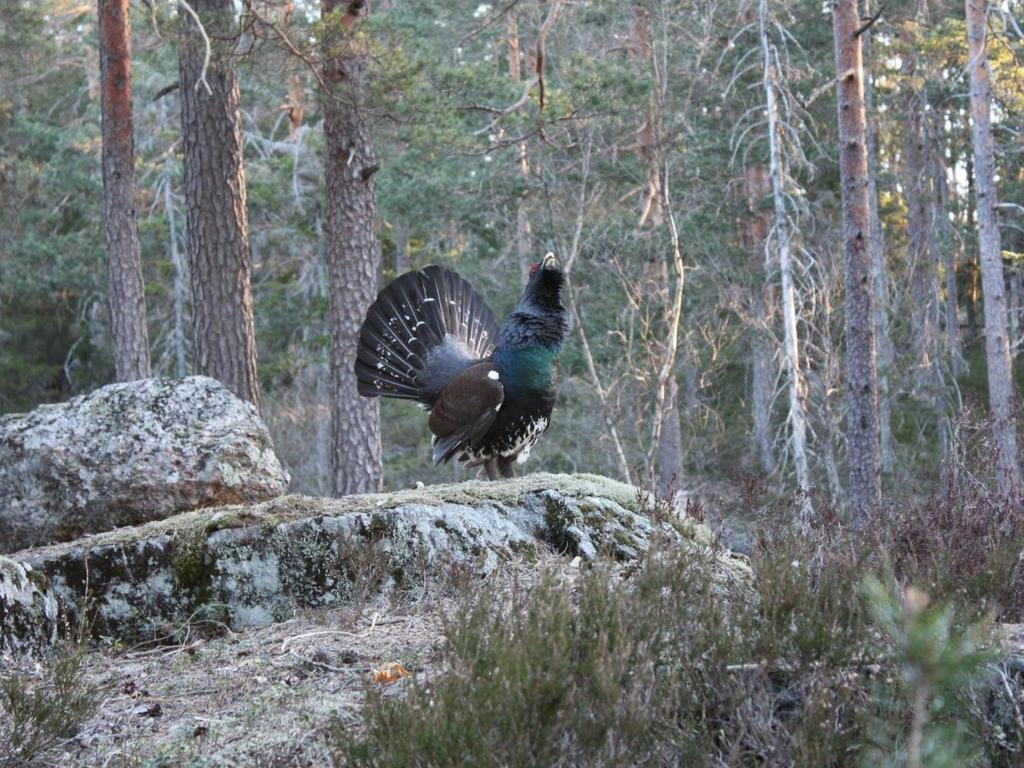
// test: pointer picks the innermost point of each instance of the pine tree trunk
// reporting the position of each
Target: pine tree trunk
(524, 230)
(124, 261)
(973, 268)
(352, 248)
(997, 348)
(922, 241)
(777, 172)
(223, 335)
(1013, 296)
(861, 372)
(886, 353)
(178, 288)
(954, 343)
(916, 183)
(669, 478)
(762, 384)
(651, 210)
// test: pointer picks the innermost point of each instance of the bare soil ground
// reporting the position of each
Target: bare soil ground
(266, 696)
(260, 697)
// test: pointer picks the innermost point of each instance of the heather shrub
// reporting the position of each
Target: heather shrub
(43, 707)
(868, 647)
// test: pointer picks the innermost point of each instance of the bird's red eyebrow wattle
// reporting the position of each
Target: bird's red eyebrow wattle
(534, 267)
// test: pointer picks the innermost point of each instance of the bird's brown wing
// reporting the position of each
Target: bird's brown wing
(465, 410)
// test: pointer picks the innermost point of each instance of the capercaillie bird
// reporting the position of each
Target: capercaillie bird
(431, 338)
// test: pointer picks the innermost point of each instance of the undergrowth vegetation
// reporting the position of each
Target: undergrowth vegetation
(859, 648)
(43, 706)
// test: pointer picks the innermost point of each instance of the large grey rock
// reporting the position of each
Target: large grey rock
(252, 565)
(29, 609)
(129, 453)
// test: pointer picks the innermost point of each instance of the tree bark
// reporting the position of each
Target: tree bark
(352, 248)
(917, 182)
(669, 478)
(223, 335)
(997, 348)
(762, 385)
(178, 289)
(885, 351)
(1013, 296)
(861, 363)
(651, 210)
(524, 230)
(673, 319)
(762, 388)
(794, 377)
(973, 268)
(954, 343)
(124, 261)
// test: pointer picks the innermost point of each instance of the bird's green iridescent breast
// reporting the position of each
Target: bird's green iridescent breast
(530, 369)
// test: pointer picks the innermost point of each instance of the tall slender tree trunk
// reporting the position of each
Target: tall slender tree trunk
(917, 182)
(944, 237)
(523, 228)
(1013, 298)
(777, 172)
(352, 248)
(997, 348)
(666, 411)
(861, 371)
(762, 385)
(762, 389)
(669, 462)
(223, 335)
(922, 223)
(973, 267)
(651, 210)
(178, 288)
(124, 261)
(885, 351)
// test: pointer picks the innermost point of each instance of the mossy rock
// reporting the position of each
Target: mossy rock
(30, 615)
(263, 562)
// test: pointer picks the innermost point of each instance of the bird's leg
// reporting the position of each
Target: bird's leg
(506, 467)
(491, 465)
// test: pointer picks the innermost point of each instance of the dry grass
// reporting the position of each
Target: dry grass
(862, 648)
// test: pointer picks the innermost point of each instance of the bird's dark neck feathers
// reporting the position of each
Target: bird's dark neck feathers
(527, 327)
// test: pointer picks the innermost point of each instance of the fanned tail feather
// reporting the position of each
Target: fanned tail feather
(423, 329)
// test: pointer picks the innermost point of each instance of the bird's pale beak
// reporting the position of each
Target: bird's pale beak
(550, 262)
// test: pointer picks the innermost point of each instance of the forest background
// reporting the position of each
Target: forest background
(681, 158)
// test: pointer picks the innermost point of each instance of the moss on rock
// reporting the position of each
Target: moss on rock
(262, 562)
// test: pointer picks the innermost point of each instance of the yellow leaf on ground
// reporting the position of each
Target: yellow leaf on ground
(390, 673)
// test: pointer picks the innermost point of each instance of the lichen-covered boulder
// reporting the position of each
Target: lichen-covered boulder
(29, 610)
(129, 453)
(255, 564)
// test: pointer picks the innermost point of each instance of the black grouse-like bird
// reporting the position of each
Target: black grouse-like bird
(431, 338)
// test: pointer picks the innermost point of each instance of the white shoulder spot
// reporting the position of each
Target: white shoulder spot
(493, 375)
